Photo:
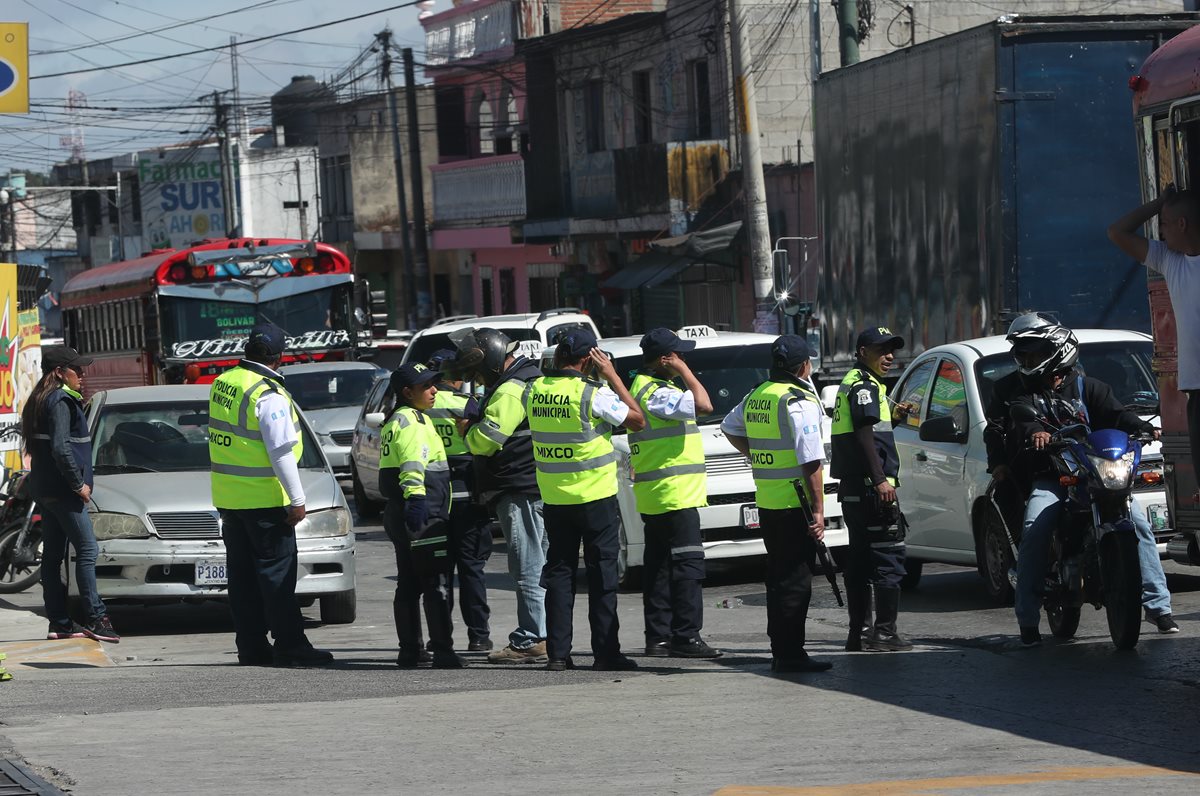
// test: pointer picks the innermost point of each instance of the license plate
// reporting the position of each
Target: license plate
(1158, 516)
(749, 516)
(211, 572)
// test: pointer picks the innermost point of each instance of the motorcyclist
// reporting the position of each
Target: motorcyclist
(1047, 377)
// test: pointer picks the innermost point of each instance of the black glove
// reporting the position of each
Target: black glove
(416, 515)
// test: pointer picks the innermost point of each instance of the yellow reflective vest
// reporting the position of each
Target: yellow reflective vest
(572, 449)
(773, 443)
(667, 457)
(242, 476)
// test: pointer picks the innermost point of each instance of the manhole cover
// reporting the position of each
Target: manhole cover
(17, 780)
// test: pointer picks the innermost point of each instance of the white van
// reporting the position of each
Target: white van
(729, 365)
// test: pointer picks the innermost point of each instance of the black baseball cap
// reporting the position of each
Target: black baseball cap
(790, 351)
(268, 336)
(577, 343)
(879, 335)
(412, 374)
(660, 342)
(63, 356)
(442, 360)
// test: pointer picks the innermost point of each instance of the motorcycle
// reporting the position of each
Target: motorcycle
(20, 536)
(1094, 549)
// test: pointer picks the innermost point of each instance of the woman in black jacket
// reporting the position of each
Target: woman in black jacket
(60, 479)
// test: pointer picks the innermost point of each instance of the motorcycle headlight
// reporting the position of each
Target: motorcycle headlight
(107, 525)
(323, 524)
(1114, 473)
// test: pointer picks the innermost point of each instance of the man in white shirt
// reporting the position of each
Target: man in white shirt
(1177, 258)
(785, 456)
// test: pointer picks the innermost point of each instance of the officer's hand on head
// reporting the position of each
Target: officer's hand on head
(1040, 439)
(817, 529)
(673, 364)
(294, 515)
(604, 365)
(886, 492)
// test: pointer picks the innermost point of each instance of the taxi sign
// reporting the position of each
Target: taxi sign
(697, 332)
(531, 349)
(14, 67)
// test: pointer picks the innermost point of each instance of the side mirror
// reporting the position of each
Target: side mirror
(942, 429)
(374, 419)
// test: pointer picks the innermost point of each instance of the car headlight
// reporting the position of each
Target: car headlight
(1114, 473)
(323, 524)
(106, 525)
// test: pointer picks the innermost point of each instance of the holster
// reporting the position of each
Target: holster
(894, 526)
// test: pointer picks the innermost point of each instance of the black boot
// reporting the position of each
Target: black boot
(407, 615)
(858, 599)
(884, 636)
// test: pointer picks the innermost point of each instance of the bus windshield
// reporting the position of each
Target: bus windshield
(195, 328)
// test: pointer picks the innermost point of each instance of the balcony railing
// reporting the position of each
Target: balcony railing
(480, 189)
(470, 31)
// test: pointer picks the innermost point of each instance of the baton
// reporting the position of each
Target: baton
(822, 550)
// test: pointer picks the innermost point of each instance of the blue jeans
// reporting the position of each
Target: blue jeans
(1041, 516)
(64, 520)
(520, 518)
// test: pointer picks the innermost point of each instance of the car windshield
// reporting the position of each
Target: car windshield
(420, 349)
(163, 437)
(1123, 365)
(727, 373)
(327, 389)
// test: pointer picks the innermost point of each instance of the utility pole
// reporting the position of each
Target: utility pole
(847, 12)
(300, 203)
(410, 283)
(416, 173)
(814, 31)
(754, 190)
(228, 189)
(241, 205)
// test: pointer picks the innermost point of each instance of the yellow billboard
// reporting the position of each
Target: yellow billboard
(14, 67)
(10, 338)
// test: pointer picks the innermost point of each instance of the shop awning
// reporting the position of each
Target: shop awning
(650, 270)
(668, 257)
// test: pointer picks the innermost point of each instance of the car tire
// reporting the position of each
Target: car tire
(995, 557)
(366, 508)
(340, 608)
(912, 574)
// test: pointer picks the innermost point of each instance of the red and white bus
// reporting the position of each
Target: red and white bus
(180, 315)
(1166, 104)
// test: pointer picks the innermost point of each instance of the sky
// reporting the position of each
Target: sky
(129, 108)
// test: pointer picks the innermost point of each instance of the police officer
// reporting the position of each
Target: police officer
(865, 461)
(571, 417)
(471, 543)
(498, 436)
(414, 476)
(778, 425)
(255, 447)
(669, 484)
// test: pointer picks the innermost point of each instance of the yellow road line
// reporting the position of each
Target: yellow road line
(910, 787)
(48, 653)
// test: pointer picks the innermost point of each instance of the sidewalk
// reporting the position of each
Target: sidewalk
(23, 640)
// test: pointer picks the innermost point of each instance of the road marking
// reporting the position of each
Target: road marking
(55, 653)
(910, 787)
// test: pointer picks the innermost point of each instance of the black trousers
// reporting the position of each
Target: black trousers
(596, 525)
(672, 573)
(471, 543)
(871, 560)
(260, 554)
(416, 585)
(789, 579)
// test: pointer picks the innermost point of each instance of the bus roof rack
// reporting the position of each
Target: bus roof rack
(211, 256)
(558, 311)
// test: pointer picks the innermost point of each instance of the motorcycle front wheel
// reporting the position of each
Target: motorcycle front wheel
(17, 576)
(1122, 576)
(1063, 619)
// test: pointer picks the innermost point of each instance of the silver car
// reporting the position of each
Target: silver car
(331, 395)
(159, 535)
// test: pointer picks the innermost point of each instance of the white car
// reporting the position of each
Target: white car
(159, 535)
(729, 365)
(533, 332)
(943, 484)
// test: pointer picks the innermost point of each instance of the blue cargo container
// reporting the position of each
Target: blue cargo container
(970, 177)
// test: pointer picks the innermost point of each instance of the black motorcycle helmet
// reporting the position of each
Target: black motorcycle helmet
(1041, 346)
(482, 352)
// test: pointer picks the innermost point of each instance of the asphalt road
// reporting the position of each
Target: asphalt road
(969, 711)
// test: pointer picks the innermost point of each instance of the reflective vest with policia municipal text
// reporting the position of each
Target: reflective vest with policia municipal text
(572, 452)
(773, 443)
(667, 457)
(848, 464)
(242, 476)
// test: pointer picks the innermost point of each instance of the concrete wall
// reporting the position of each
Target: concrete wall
(268, 180)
